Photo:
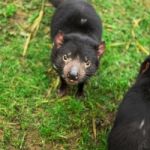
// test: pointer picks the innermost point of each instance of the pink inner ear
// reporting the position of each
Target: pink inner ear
(59, 39)
(101, 49)
(146, 67)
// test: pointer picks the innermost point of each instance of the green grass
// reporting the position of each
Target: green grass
(31, 114)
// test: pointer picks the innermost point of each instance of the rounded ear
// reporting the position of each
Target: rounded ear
(59, 39)
(101, 49)
(145, 65)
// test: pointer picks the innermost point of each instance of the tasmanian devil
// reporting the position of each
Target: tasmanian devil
(76, 31)
(131, 130)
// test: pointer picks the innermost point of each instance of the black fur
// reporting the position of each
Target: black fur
(56, 3)
(82, 29)
(68, 16)
(131, 130)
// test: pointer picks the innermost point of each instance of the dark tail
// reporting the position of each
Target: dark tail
(56, 3)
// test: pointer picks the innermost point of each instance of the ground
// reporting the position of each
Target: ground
(32, 117)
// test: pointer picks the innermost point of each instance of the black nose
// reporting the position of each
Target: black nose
(73, 76)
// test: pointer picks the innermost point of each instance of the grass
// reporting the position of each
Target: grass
(31, 114)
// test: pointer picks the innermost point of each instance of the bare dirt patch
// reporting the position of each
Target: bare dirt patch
(33, 140)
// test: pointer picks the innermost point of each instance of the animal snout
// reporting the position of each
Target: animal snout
(73, 74)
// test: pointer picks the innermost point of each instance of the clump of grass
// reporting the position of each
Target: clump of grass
(10, 10)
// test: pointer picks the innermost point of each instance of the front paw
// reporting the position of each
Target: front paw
(80, 95)
(62, 92)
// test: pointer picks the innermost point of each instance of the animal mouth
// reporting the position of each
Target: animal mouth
(71, 82)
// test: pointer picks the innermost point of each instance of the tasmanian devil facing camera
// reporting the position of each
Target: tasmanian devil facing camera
(76, 30)
(131, 130)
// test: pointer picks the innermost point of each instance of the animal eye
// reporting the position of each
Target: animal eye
(88, 63)
(65, 57)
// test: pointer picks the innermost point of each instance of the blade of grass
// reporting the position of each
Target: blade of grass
(34, 29)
